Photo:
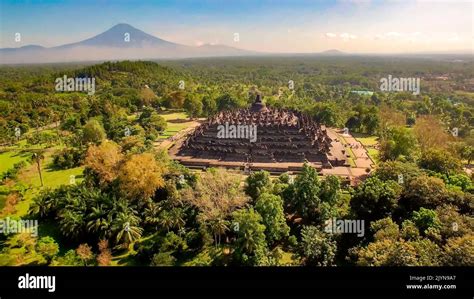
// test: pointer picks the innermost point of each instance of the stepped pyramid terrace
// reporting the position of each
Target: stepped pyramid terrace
(260, 138)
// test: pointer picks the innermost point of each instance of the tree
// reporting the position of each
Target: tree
(399, 143)
(37, 158)
(440, 161)
(216, 195)
(306, 192)
(166, 220)
(175, 100)
(69, 259)
(47, 247)
(371, 120)
(390, 118)
(385, 229)
(218, 227)
(330, 188)
(257, 183)
(104, 160)
(375, 199)
(174, 244)
(93, 132)
(459, 251)
(147, 96)
(140, 176)
(394, 170)
(270, 207)
(423, 191)
(389, 247)
(163, 259)
(193, 106)
(467, 153)
(250, 246)
(126, 229)
(151, 121)
(425, 219)
(84, 252)
(317, 247)
(227, 102)
(209, 106)
(105, 256)
(430, 133)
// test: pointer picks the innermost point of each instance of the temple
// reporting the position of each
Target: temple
(284, 141)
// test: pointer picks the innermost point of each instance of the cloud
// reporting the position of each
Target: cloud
(346, 36)
(330, 35)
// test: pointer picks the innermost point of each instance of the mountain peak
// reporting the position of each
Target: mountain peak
(123, 35)
(123, 26)
(333, 52)
(121, 41)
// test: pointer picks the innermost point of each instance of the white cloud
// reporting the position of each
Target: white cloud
(331, 35)
(347, 36)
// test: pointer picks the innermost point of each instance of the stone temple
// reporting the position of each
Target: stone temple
(260, 138)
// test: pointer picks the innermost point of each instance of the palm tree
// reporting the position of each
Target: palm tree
(218, 227)
(166, 220)
(151, 214)
(37, 157)
(41, 206)
(71, 223)
(99, 222)
(177, 216)
(127, 229)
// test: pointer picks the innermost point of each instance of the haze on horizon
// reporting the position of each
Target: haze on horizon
(297, 26)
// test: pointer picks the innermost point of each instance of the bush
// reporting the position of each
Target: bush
(163, 259)
(12, 173)
(68, 158)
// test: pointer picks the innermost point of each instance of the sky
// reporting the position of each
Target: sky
(283, 26)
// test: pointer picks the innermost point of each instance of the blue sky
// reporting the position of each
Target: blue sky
(276, 26)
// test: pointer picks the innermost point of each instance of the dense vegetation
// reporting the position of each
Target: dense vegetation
(132, 205)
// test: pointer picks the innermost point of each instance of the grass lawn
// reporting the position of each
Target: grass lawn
(365, 139)
(177, 121)
(9, 158)
(52, 178)
(173, 115)
(373, 154)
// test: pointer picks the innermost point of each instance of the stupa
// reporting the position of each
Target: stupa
(259, 137)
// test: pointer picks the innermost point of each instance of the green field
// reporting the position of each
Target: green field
(177, 121)
(9, 158)
(29, 177)
(366, 140)
(51, 178)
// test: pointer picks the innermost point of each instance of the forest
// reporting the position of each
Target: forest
(90, 170)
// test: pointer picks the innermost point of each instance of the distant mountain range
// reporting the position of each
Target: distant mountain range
(125, 42)
(122, 41)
